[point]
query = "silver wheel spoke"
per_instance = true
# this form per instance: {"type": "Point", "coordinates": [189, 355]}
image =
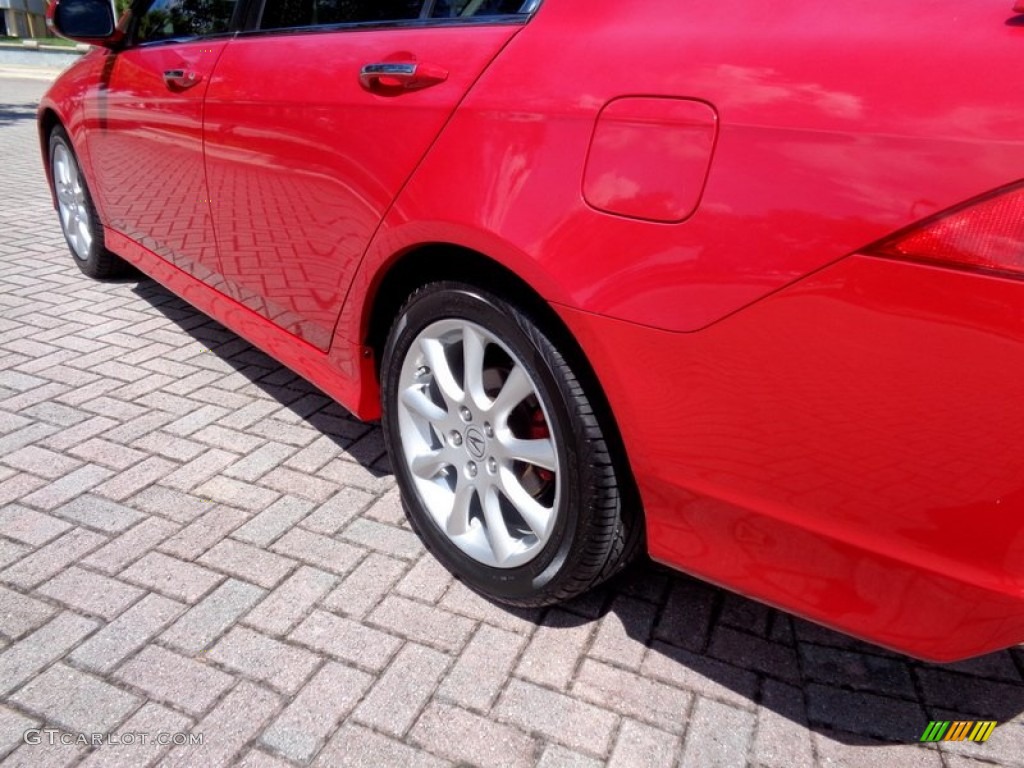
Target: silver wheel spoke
{"type": "Point", "coordinates": [433, 350]}
{"type": "Point", "coordinates": [416, 399]}
{"type": "Point", "coordinates": [517, 387]}
{"type": "Point", "coordinates": [473, 347]}
{"type": "Point", "coordinates": [429, 465]}
{"type": "Point", "coordinates": [539, 452]}
{"type": "Point", "coordinates": [458, 520]}
{"type": "Point", "coordinates": [497, 532]}
{"type": "Point", "coordinates": [84, 235]}
{"type": "Point", "coordinates": [61, 166]}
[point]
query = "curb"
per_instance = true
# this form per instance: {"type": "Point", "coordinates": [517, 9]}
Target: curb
{"type": "Point", "coordinates": [13, 72]}
{"type": "Point", "coordinates": [48, 62]}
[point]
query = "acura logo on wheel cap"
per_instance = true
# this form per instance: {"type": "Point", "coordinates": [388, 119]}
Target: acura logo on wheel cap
{"type": "Point", "coordinates": [475, 442]}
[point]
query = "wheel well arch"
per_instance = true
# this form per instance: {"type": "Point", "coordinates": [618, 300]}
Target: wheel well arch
{"type": "Point", "coordinates": [439, 261]}
{"type": "Point", "coordinates": [48, 120]}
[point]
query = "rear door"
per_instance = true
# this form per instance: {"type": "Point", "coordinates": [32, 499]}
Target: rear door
{"type": "Point", "coordinates": [314, 120]}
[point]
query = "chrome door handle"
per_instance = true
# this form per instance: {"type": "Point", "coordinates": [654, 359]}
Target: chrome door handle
{"type": "Point", "coordinates": [391, 76]}
{"type": "Point", "coordinates": [180, 78]}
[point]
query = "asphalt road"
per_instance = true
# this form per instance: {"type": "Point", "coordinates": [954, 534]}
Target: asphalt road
{"type": "Point", "coordinates": [198, 542]}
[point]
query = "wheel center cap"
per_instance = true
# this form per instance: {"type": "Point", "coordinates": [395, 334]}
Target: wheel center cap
{"type": "Point", "coordinates": [476, 443]}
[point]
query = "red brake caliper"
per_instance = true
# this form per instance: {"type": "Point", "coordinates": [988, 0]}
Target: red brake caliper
{"type": "Point", "coordinates": [538, 430]}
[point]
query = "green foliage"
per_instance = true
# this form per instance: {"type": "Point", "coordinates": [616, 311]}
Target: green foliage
{"type": "Point", "coordinates": [167, 19]}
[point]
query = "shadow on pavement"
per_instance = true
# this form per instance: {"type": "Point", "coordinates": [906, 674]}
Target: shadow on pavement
{"type": "Point", "coordinates": [276, 380]}
{"type": "Point", "coordinates": [12, 113]}
{"type": "Point", "coordinates": [695, 636]}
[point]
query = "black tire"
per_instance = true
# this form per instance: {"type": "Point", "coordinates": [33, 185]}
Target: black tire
{"type": "Point", "coordinates": [93, 259]}
{"type": "Point", "coordinates": [596, 531]}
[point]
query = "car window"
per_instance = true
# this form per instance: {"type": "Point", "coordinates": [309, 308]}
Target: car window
{"type": "Point", "coordinates": [281, 14]}
{"type": "Point", "coordinates": [284, 14]}
{"type": "Point", "coordinates": [176, 19]}
{"type": "Point", "coordinates": [451, 9]}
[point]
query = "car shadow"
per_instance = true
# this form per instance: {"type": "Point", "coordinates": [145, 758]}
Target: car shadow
{"type": "Point", "coordinates": [660, 625]}
{"type": "Point", "coordinates": [740, 651]}
{"type": "Point", "coordinates": [13, 113]}
{"type": "Point", "coordinates": [266, 374]}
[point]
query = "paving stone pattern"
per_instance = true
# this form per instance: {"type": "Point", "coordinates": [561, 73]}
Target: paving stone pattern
{"type": "Point", "coordinates": [200, 542]}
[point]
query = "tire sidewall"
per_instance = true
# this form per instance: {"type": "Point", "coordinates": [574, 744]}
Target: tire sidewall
{"type": "Point", "coordinates": [453, 301]}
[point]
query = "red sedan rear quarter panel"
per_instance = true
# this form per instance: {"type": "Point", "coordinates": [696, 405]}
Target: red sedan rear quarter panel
{"type": "Point", "coordinates": [844, 449]}
{"type": "Point", "coordinates": [838, 125]}
{"type": "Point", "coordinates": [849, 448]}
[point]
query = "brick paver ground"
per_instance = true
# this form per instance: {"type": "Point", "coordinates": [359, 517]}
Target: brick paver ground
{"type": "Point", "coordinates": [199, 542]}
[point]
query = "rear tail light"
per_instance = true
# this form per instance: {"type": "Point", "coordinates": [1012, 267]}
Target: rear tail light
{"type": "Point", "coordinates": [985, 234]}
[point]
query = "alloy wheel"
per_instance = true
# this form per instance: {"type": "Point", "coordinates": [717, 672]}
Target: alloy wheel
{"type": "Point", "coordinates": [71, 202]}
{"type": "Point", "coordinates": [476, 438]}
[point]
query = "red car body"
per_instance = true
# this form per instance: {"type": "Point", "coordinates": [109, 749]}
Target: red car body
{"type": "Point", "coordinates": [697, 190]}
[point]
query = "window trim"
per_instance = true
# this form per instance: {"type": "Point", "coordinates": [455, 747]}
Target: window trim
{"type": "Point", "coordinates": [247, 14]}
{"type": "Point", "coordinates": [253, 19]}
{"type": "Point", "coordinates": [359, 26]}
